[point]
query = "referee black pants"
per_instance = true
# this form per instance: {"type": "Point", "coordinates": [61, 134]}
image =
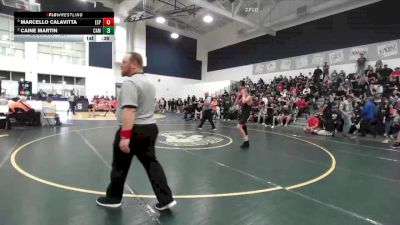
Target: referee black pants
{"type": "Point", "coordinates": [72, 106]}
{"type": "Point", "coordinates": [142, 146]}
{"type": "Point", "coordinates": [207, 115]}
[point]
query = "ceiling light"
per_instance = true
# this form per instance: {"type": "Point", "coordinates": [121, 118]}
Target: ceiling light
{"type": "Point", "coordinates": [174, 35]}
{"type": "Point", "coordinates": [208, 19]}
{"type": "Point", "coordinates": [117, 20]}
{"type": "Point", "coordinates": [43, 81]}
{"type": "Point", "coordinates": [160, 19]}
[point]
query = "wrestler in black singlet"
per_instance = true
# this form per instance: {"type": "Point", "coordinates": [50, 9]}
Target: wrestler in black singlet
{"type": "Point", "coordinates": [246, 108]}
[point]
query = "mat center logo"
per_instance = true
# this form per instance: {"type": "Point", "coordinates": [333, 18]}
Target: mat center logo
{"type": "Point", "coordinates": [189, 139]}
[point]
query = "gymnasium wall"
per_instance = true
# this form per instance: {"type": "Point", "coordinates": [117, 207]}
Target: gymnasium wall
{"type": "Point", "coordinates": [383, 50]}
{"type": "Point", "coordinates": [171, 57]}
{"type": "Point", "coordinates": [211, 87]}
{"type": "Point", "coordinates": [369, 24]}
{"type": "Point", "coordinates": [166, 86]}
{"type": "Point", "coordinates": [238, 73]}
{"type": "Point", "coordinates": [99, 81]}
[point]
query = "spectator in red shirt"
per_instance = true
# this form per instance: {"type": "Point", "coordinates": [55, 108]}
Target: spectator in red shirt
{"type": "Point", "coordinates": [301, 105]}
{"type": "Point", "coordinates": [280, 87]}
{"type": "Point", "coordinates": [396, 72]}
{"type": "Point", "coordinates": [312, 124]}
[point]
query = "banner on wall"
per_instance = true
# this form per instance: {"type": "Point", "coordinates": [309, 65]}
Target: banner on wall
{"type": "Point", "coordinates": [301, 62]}
{"type": "Point", "coordinates": [336, 57]}
{"type": "Point", "coordinates": [271, 66]}
{"type": "Point", "coordinates": [318, 59]}
{"type": "Point", "coordinates": [355, 52]}
{"type": "Point", "coordinates": [259, 68]}
{"type": "Point", "coordinates": [286, 64]}
{"type": "Point", "coordinates": [388, 49]}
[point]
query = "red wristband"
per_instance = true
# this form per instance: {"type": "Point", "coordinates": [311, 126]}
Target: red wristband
{"type": "Point", "coordinates": [125, 134]}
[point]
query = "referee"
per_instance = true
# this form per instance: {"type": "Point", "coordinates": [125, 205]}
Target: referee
{"type": "Point", "coordinates": [136, 136]}
{"type": "Point", "coordinates": [207, 112]}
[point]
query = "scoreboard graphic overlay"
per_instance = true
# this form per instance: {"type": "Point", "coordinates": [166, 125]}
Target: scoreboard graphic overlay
{"type": "Point", "coordinates": [64, 26]}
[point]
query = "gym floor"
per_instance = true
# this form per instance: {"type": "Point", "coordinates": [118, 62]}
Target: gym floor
{"type": "Point", "coordinates": [53, 175]}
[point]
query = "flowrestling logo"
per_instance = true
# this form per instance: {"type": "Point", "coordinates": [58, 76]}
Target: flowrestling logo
{"type": "Point", "coordinates": [191, 139]}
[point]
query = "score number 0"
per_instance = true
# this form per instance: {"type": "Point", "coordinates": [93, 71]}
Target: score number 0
{"type": "Point", "coordinates": [108, 21]}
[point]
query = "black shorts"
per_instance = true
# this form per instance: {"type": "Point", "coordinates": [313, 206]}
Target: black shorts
{"type": "Point", "coordinates": [244, 117]}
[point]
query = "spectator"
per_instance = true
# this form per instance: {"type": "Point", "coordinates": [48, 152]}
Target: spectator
{"type": "Point", "coordinates": [163, 105]}
{"type": "Point", "coordinates": [334, 76]}
{"type": "Point", "coordinates": [198, 114]}
{"type": "Point", "coordinates": [301, 106]}
{"type": "Point", "coordinates": [284, 99]}
{"type": "Point", "coordinates": [368, 118]}
{"type": "Point", "coordinates": [346, 108]}
{"type": "Point", "coordinates": [49, 104]}
{"type": "Point", "coordinates": [326, 71]}
{"type": "Point", "coordinates": [389, 117]}
{"type": "Point", "coordinates": [262, 113]}
{"type": "Point", "coordinates": [179, 105]}
{"type": "Point", "coordinates": [378, 64]}
{"type": "Point", "coordinates": [317, 75]}
{"type": "Point", "coordinates": [226, 105]}
{"type": "Point", "coordinates": [313, 124]}
{"type": "Point", "coordinates": [356, 120]}
{"type": "Point", "coordinates": [361, 64]}
{"type": "Point", "coordinates": [385, 73]}
{"type": "Point", "coordinates": [271, 113]}
{"type": "Point", "coordinates": [285, 116]}
{"type": "Point", "coordinates": [23, 112]}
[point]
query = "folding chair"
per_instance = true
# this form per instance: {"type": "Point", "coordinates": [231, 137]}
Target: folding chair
{"type": "Point", "coordinates": [4, 116]}
{"type": "Point", "coordinates": [49, 114]}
